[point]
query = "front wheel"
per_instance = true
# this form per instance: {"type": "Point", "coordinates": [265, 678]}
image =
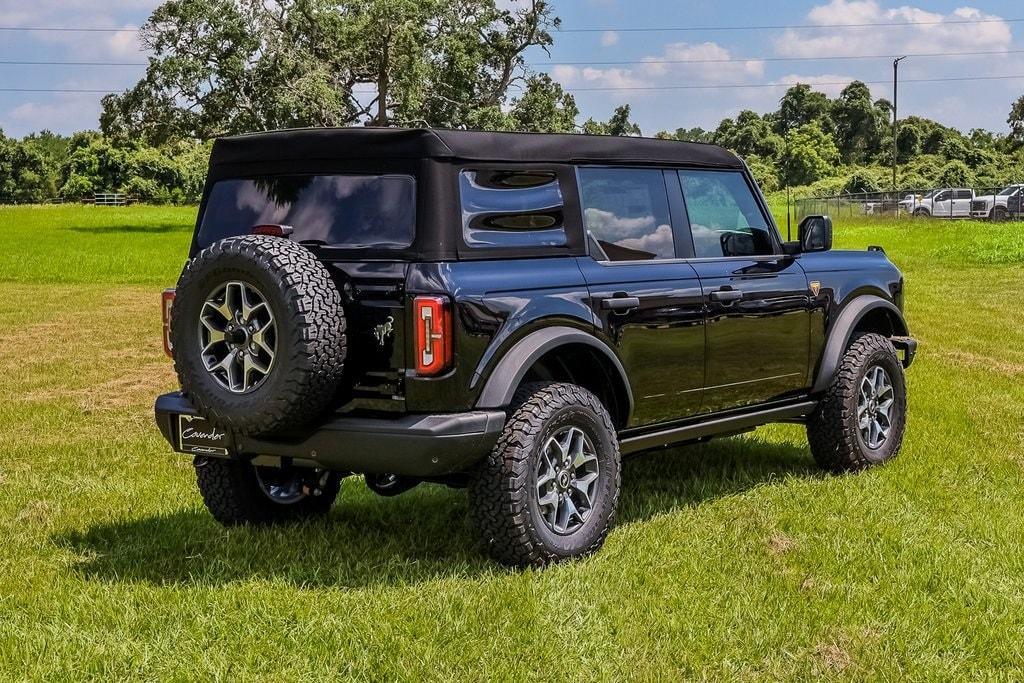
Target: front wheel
{"type": "Point", "coordinates": [861, 418]}
{"type": "Point", "coordinates": [549, 488]}
{"type": "Point", "coordinates": [238, 492]}
{"type": "Point", "coordinates": [999, 214]}
{"type": "Point", "coordinates": [922, 213]}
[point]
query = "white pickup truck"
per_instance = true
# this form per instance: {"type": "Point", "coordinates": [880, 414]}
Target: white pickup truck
{"type": "Point", "coordinates": [947, 202]}
{"type": "Point", "coordinates": [1000, 206]}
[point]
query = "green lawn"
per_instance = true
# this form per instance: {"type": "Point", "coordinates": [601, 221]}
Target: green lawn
{"type": "Point", "coordinates": [730, 560]}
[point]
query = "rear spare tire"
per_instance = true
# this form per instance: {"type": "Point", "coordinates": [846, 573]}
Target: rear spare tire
{"type": "Point", "coordinates": [258, 332]}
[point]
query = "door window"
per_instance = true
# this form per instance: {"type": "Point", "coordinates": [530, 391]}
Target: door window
{"type": "Point", "coordinates": [626, 213]}
{"type": "Point", "coordinates": [724, 217]}
{"type": "Point", "coordinates": [963, 194]}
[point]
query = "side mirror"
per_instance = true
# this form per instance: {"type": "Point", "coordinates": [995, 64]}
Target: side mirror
{"type": "Point", "coordinates": [815, 234]}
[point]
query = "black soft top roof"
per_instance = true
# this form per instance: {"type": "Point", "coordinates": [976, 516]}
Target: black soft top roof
{"type": "Point", "coordinates": [470, 145]}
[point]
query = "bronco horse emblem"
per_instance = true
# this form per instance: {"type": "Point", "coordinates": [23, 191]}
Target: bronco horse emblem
{"type": "Point", "coordinates": [383, 331]}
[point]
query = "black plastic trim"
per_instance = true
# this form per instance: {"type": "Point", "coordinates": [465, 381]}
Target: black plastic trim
{"type": "Point", "coordinates": [842, 330]}
{"type": "Point", "coordinates": [410, 445]}
{"type": "Point", "coordinates": [712, 425]}
{"type": "Point", "coordinates": [504, 380]}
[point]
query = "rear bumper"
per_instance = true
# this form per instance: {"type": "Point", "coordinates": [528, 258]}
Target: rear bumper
{"type": "Point", "coordinates": [411, 445]}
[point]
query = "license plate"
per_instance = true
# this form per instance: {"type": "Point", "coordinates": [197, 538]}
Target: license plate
{"type": "Point", "coordinates": [197, 435]}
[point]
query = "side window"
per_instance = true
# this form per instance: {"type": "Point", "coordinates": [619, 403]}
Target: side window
{"type": "Point", "coordinates": [724, 217]}
{"type": "Point", "coordinates": [963, 194]}
{"type": "Point", "coordinates": [625, 210]}
{"type": "Point", "coordinates": [942, 196]}
{"type": "Point", "coordinates": [512, 208]}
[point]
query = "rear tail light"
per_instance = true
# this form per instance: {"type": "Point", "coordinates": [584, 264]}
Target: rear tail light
{"type": "Point", "coordinates": [167, 300]}
{"type": "Point", "coordinates": [433, 324]}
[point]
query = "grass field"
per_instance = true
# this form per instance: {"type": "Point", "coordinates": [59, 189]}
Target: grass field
{"type": "Point", "coordinates": [731, 560]}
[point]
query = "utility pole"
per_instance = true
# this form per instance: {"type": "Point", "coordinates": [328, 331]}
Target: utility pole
{"type": "Point", "coordinates": [895, 126]}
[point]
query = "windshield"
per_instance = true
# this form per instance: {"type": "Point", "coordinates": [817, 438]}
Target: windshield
{"type": "Point", "coordinates": [1010, 190]}
{"type": "Point", "coordinates": [346, 211]}
{"type": "Point", "coordinates": [932, 193]}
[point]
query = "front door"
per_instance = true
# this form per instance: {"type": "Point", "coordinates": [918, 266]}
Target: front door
{"type": "Point", "coordinates": [647, 302]}
{"type": "Point", "coordinates": [942, 205]}
{"type": "Point", "coordinates": [757, 300]}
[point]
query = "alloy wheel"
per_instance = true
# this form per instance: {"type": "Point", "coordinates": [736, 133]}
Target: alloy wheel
{"type": "Point", "coordinates": [567, 477]}
{"type": "Point", "coordinates": [238, 337]}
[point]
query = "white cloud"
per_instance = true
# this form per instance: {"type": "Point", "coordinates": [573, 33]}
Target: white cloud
{"type": "Point", "coordinates": [937, 35]}
{"type": "Point", "coordinates": [609, 38]}
{"type": "Point", "coordinates": [678, 63]}
{"type": "Point", "coordinates": [830, 84]}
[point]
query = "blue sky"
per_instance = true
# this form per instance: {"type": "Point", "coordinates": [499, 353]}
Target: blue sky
{"type": "Point", "coordinates": [665, 58]}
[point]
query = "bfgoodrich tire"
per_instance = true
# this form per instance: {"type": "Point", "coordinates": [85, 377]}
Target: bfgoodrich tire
{"type": "Point", "coordinates": [258, 332]}
{"type": "Point", "coordinates": [549, 488]}
{"type": "Point", "coordinates": [238, 493]}
{"type": "Point", "coordinates": [861, 419]}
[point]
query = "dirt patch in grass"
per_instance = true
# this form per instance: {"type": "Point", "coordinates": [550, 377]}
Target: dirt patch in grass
{"type": "Point", "coordinates": [980, 361]}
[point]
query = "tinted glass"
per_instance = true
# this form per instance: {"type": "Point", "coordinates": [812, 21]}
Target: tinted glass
{"type": "Point", "coordinates": [942, 196]}
{"type": "Point", "coordinates": [724, 217]}
{"type": "Point", "coordinates": [511, 208]}
{"type": "Point", "coordinates": [963, 194]}
{"type": "Point", "coordinates": [626, 211]}
{"type": "Point", "coordinates": [349, 211]}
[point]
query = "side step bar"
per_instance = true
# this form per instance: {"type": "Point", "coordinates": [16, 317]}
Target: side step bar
{"type": "Point", "coordinates": [713, 426]}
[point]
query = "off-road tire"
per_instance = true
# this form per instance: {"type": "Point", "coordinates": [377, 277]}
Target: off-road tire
{"type": "Point", "coordinates": [832, 430]}
{"type": "Point", "coordinates": [311, 342]}
{"type": "Point", "coordinates": [502, 488]}
{"type": "Point", "coordinates": [233, 495]}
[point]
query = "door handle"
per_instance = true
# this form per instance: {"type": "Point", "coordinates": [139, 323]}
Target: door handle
{"type": "Point", "coordinates": [726, 296]}
{"type": "Point", "coordinates": [620, 304]}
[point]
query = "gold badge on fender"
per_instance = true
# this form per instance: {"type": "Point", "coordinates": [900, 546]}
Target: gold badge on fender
{"type": "Point", "coordinates": [815, 287]}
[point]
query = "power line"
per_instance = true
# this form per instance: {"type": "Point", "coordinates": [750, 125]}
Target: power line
{"type": "Point", "coordinates": [788, 85]}
{"type": "Point", "coordinates": [16, 62]}
{"type": "Point", "coordinates": [729, 86]}
{"type": "Point", "coordinates": [774, 27]}
{"type": "Point", "coordinates": [778, 59]}
{"type": "Point", "coordinates": [12, 62]}
{"type": "Point", "coordinates": [617, 29]}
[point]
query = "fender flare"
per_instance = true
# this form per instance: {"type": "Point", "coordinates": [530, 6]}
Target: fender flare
{"type": "Point", "coordinates": [500, 387]}
{"type": "Point", "coordinates": [842, 330]}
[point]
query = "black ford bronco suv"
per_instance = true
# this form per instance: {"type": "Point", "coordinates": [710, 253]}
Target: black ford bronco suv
{"type": "Point", "coordinates": [511, 313]}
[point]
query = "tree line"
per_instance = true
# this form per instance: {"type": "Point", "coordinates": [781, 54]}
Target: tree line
{"type": "Point", "coordinates": [220, 67]}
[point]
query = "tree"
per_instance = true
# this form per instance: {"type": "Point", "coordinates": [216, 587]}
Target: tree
{"type": "Point", "coordinates": [955, 174]}
{"type": "Point", "coordinates": [858, 123]}
{"type": "Point", "coordinates": [750, 134]}
{"type": "Point", "coordinates": [696, 134]}
{"type": "Point", "coordinates": [544, 107]}
{"type": "Point", "coordinates": [801, 105]}
{"type": "Point", "coordinates": [809, 155]}
{"type": "Point", "coordinates": [228, 66]}
{"type": "Point", "coordinates": [908, 142]}
{"type": "Point", "coordinates": [1016, 121]}
{"type": "Point", "coordinates": [618, 124]}
{"type": "Point", "coordinates": [23, 172]}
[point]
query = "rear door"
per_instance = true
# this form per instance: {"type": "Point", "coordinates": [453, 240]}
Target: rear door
{"type": "Point", "coordinates": [962, 203]}
{"type": "Point", "coordinates": [646, 298]}
{"type": "Point", "coordinates": [756, 299]}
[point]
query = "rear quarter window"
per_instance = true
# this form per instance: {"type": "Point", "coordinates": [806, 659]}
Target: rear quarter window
{"type": "Point", "coordinates": [344, 211]}
{"type": "Point", "coordinates": [512, 208]}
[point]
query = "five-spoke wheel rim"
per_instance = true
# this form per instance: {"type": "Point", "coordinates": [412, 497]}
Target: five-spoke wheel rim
{"type": "Point", "coordinates": [567, 477]}
{"type": "Point", "coordinates": [874, 407]}
{"type": "Point", "coordinates": [237, 336]}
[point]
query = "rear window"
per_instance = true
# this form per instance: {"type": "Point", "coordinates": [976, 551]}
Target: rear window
{"type": "Point", "coordinates": [345, 211]}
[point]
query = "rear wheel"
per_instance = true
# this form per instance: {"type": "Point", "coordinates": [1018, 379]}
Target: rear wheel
{"type": "Point", "coordinates": [238, 492]}
{"type": "Point", "coordinates": [549, 489]}
{"type": "Point", "coordinates": [861, 418]}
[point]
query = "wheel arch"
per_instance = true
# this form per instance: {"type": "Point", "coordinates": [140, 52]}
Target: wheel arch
{"type": "Point", "coordinates": [865, 313]}
{"type": "Point", "coordinates": [562, 354]}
